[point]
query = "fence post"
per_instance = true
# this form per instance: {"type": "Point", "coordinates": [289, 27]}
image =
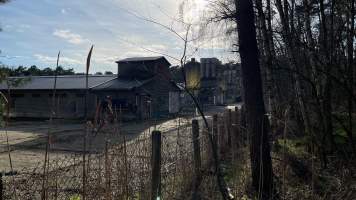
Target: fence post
{"type": "Point", "coordinates": [215, 129]}
{"type": "Point", "coordinates": [1, 187]}
{"type": "Point", "coordinates": [237, 118]}
{"type": "Point", "coordinates": [242, 121]}
{"type": "Point", "coordinates": [214, 133]}
{"type": "Point", "coordinates": [84, 180]}
{"type": "Point", "coordinates": [235, 142]}
{"type": "Point", "coordinates": [107, 172]}
{"type": "Point", "coordinates": [197, 159]}
{"type": "Point", "coordinates": [229, 128]}
{"type": "Point", "coordinates": [156, 165]}
{"type": "Point", "coordinates": [222, 136]}
{"type": "Point", "coordinates": [238, 127]}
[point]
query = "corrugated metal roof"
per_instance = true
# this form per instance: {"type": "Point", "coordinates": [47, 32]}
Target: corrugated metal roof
{"type": "Point", "coordinates": [69, 82]}
{"type": "Point", "coordinates": [121, 84]}
{"type": "Point", "coordinates": [137, 59]}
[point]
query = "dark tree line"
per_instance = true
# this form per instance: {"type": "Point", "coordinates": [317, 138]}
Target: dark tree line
{"type": "Point", "coordinates": [305, 56]}
{"type": "Point", "coordinates": [35, 71]}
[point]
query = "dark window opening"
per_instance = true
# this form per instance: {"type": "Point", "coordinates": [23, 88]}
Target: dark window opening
{"type": "Point", "coordinates": [58, 95]}
{"type": "Point", "coordinates": [17, 95]}
{"type": "Point", "coordinates": [12, 103]}
{"type": "Point", "coordinates": [117, 103]}
{"type": "Point", "coordinates": [73, 107]}
{"type": "Point", "coordinates": [36, 95]}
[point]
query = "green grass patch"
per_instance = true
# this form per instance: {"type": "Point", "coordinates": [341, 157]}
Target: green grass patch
{"type": "Point", "coordinates": [295, 146]}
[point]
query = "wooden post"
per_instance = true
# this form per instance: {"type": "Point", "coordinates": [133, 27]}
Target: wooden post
{"type": "Point", "coordinates": [197, 159]}
{"type": "Point", "coordinates": [126, 169]}
{"type": "Point", "coordinates": [84, 179]}
{"type": "Point", "coordinates": [242, 122]}
{"type": "Point", "coordinates": [235, 142]}
{"type": "Point", "coordinates": [215, 137]}
{"type": "Point", "coordinates": [215, 129]}
{"type": "Point", "coordinates": [107, 172]}
{"type": "Point", "coordinates": [238, 127]}
{"type": "Point", "coordinates": [1, 187]}
{"type": "Point", "coordinates": [222, 136]}
{"type": "Point", "coordinates": [156, 165]}
{"type": "Point", "coordinates": [229, 128]}
{"type": "Point", "coordinates": [56, 187]}
{"type": "Point", "coordinates": [237, 117]}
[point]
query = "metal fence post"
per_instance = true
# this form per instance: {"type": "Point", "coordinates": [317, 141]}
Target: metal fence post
{"type": "Point", "coordinates": [156, 165]}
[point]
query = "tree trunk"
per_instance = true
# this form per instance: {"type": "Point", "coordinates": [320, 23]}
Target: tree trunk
{"type": "Point", "coordinates": [350, 58]}
{"type": "Point", "coordinates": [268, 52]}
{"type": "Point", "coordinates": [257, 122]}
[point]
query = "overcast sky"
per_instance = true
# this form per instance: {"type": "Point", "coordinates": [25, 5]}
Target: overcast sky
{"type": "Point", "coordinates": [35, 30]}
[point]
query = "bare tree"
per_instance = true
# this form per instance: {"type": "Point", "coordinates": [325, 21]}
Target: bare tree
{"type": "Point", "coordinates": [187, 39]}
{"type": "Point", "coordinates": [2, 2]}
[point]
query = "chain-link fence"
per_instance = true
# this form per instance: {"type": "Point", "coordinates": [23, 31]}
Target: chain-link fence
{"type": "Point", "coordinates": [124, 170]}
{"type": "Point", "coordinates": [121, 171]}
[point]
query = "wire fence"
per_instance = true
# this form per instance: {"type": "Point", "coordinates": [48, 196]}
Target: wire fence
{"type": "Point", "coordinates": [124, 170]}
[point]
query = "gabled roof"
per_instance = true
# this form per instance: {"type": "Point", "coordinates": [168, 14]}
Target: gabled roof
{"type": "Point", "coordinates": [121, 84]}
{"type": "Point", "coordinates": [68, 82]}
{"type": "Point", "coordinates": [142, 59]}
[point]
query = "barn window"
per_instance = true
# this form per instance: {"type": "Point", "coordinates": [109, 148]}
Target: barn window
{"type": "Point", "coordinates": [12, 103]}
{"type": "Point", "coordinates": [79, 95]}
{"type": "Point", "coordinates": [17, 95]}
{"type": "Point", "coordinates": [73, 106]}
{"type": "Point", "coordinates": [58, 95]}
{"type": "Point", "coordinates": [36, 95]}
